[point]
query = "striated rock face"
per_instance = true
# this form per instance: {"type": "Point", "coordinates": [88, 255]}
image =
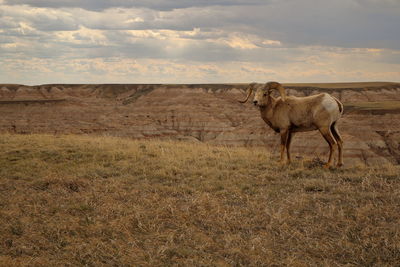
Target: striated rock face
{"type": "Point", "coordinates": [206, 113]}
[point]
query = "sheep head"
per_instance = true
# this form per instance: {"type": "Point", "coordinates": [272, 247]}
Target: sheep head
{"type": "Point", "coordinates": [262, 94]}
{"type": "Point", "coordinates": [270, 86]}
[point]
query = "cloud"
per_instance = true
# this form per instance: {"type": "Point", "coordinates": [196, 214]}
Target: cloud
{"type": "Point", "coordinates": [199, 41]}
{"type": "Point", "coordinates": [120, 70]}
{"type": "Point", "coordinates": [342, 23]}
{"type": "Point", "coordinates": [39, 19]}
{"type": "Point", "coordinates": [150, 4]}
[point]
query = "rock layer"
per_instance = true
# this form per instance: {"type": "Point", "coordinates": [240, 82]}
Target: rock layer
{"type": "Point", "coordinates": [207, 113]}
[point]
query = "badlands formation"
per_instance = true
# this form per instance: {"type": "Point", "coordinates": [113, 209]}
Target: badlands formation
{"type": "Point", "coordinates": [208, 113]}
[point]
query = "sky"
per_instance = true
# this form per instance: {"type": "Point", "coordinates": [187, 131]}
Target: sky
{"type": "Point", "coordinates": [199, 41]}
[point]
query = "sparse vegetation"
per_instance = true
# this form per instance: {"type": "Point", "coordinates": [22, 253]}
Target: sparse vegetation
{"type": "Point", "coordinates": [143, 91]}
{"type": "Point", "coordinates": [343, 85]}
{"type": "Point", "coordinates": [377, 105]}
{"type": "Point", "coordinates": [93, 201]}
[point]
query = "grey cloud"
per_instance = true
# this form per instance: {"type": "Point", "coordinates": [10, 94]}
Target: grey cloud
{"type": "Point", "coordinates": [388, 56]}
{"type": "Point", "coordinates": [47, 23]}
{"type": "Point", "coordinates": [295, 23]}
{"type": "Point", "coordinates": [6, 39]}
{"type": "Point", "coordinates": [41, 20]}
{"type": "Point", "coordinates": [341, 23]}
{"type": "Point", "coordinates": [188, 19]}
{"type": "Point", "coordinates": [152, 4]}
{"type": "Point", "coordinates": [17, 32]}
{"type": "Point", "coordinates": [6, 23]}
{"type": "Point", "coordinates": [145, 19]}
{"type": "Point", "coordinates": [193, 50]}
{"type": "Point", "coordinates": [123, 45]}
{"type": "Point", "coordinates": [28, 52]}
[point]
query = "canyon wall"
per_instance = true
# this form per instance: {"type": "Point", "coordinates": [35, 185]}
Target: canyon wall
{"type": "Point", "coordinates": [207, 113]}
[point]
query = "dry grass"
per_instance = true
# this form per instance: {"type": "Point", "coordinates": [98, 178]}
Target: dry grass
{"type": "Point", "coordinates": [91, 201]}
{"type": "Point", "coordinates": [342, 85]}
{"type": "Point", "coordinates": [377, 105]}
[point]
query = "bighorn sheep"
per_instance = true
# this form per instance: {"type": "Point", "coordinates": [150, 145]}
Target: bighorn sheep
{"type": "Point", "coordinates": [289, 114]}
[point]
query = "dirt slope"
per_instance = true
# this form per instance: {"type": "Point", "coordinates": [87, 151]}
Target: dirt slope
{"type": "Point", "coordinates": [203, 112]}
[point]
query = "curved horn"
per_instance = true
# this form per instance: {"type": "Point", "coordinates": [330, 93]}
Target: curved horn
{"type": "Point", "coordinates": [277, 86]}
{"type": "Point", "coordinates": [282, 92]}
{"type": "Point", "coordinates": [250, 90]}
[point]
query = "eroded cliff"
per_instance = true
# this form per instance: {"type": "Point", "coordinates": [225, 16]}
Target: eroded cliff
{"type": "Point", "coordinates": [204, 112]}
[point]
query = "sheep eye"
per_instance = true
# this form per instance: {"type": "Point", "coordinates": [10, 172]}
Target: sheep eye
{"type": "Point", "coordinates": [265, 94]}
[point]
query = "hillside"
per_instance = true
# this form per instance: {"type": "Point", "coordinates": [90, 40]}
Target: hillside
{"type": "Point", "coordinates": [206, 113]}
{"type": "Point", "coordinates": [95, 201]}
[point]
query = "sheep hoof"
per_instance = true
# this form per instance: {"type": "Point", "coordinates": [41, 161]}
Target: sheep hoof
{"type": "Point", "coordinates": [339, 165]}
{"type": "Point", "coordinates": [284, 163]}
{"type": "Point", "coordinates": [327, 166]}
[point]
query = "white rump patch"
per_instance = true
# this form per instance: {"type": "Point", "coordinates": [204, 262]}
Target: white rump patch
{"type": "Point", "coordinates": [329, 103]}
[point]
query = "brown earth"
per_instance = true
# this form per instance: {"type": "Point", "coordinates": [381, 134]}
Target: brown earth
{"type": "Point", "coordinates": [208, 113]}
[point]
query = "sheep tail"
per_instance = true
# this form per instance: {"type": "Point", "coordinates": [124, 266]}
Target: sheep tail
{"type": "Point", "coordinates": [340, 105]}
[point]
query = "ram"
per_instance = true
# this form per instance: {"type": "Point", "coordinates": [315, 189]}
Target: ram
{"type": "Point", "coordinates": [290, 114]}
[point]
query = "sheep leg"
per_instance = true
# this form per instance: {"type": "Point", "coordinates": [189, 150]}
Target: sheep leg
{"type": "Point", "coordinates": [284, 140]}
{"type": "Point", "coordinates": [288, 142]}
{"type": "Point", "coordinates": [339, 141]}
{"type": "Point", "coordinates": [326, 133]}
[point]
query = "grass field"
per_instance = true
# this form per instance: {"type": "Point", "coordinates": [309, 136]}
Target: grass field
{"type": "Point", "coordinates": [101, 201]}
{"type": "Point", "coordinates": [377, 105]}
{"type": "Point", "coordinates": [342, 85]}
